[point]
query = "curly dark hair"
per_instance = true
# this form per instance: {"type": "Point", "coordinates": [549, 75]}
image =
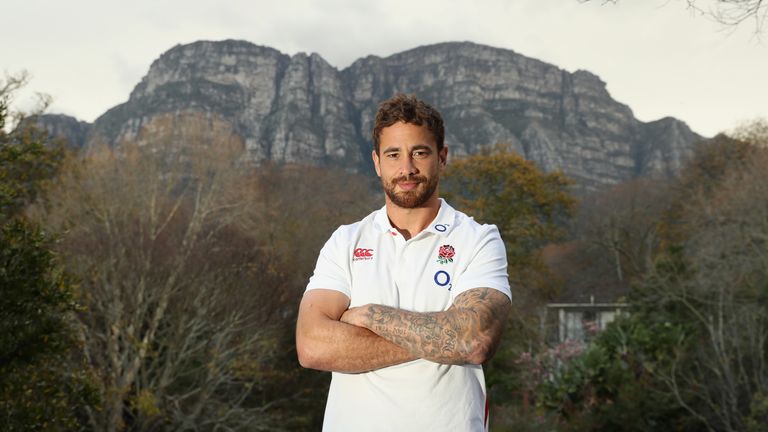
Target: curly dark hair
{"type": "Point", "coordinates": [408, 109]}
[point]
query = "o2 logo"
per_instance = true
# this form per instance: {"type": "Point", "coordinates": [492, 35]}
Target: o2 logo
{"type": "Point", "coordinates": [443, 279]}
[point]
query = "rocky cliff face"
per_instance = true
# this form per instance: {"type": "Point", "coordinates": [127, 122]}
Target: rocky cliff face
{"type": "Point", "coordinates": [64, 126]}
{"type": "Point", "coordinates": [286, 109]}
{"type": "Point", "coordinates": [300, 109]}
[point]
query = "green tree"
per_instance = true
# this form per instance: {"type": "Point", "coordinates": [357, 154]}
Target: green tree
{"type": "Point", "coordinates": [612, 386]}
{"type": "Point", "coordinates": [28, 158]}
{"type": "Point", "coordinates": [42, 387]}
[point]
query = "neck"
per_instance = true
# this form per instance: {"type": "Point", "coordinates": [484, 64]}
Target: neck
{"type": "Point", "coordinates": [411, 221]}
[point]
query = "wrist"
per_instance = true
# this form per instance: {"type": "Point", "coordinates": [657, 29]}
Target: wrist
{"type": "Point", "coordinates": [356, 316]}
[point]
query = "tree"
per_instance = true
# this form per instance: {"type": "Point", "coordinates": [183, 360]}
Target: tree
{"type": "Point", "coordinates": [28, 158]}
{"type": "Point", "coordinates": [150, 227]}
{"type": "Point", "coordinates": [300, 206]}
{"type": "Point", "coordinates": [528, 206]}
{"type": "Point", "coordinates": [191, 267]}
{"type": "Point", "coordinates": [729, 12]}
{"type": "Point", "coordinates": [530, 209]}
{"type": "Point", "coordinates": [622, 226]}
{"type": "Point", "coordinates": [611, 384]}
{"type": "Point", "coordinates": [735, 12]}
{"type": "Point", "coordinates": [712, 162]}
{"type": "Point", "coordinates": [719, 375]}
{"type": "Point", "coordinates": [695, 340]}
{"type": "Point", "coordinates": [42, 384]}
{"type": "Point", "coordinates": [754, 132]}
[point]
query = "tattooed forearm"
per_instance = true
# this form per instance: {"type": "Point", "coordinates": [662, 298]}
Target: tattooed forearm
{"type": "Point", "coordinates": [468, 332]}
{"type": "Point", "coordinates": [431, 335]}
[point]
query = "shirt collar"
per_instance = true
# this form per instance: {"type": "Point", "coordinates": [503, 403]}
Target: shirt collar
{"type": "Point", "coordinates": [442, 225]}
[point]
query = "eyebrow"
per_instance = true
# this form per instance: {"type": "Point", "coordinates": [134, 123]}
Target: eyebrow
{"type": "Point", "coordinates": [421, 147]}
{"type": "Point", "coordinates": [416, 147]}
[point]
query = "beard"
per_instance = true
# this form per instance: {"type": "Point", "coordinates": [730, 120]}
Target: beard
{"type": "Point", "coordinates": [412, 198]}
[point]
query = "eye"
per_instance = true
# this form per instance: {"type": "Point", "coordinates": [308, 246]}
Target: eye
{"type": "Point", "coordinates": [391, 155]}
{"type": "Point", "coordinates": [420, 154]}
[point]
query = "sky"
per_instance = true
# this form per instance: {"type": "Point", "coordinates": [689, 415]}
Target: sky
{"type": "Point", "coordinates": [659, 57]}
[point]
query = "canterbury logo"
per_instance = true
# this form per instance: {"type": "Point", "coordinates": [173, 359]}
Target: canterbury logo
{"type": "Point", "coordinates": [362, 254]}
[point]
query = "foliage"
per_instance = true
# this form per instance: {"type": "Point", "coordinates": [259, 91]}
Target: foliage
{"type": "Point", "coordinates": [611, 385]}
{"type": "Point", "coordinates": [501, 187]}
{"type": "Point", "coordinates": [692, 354]}
{"type": "Point", "coordinates": [712, 162]}
{"type": "Point", "coordinates": [51, 395]}
{"type": "Point", "coordinates": [620, 230]}
{"type": "Point", "coordinates": [614, 384]}
{"type": "Point", "coordinates": [725, 296]}
{"type": "Point", "coordinates": [27, 160]}
{"type": "Point", "coordinates": [299, 206]}
{"type": "Point", "coordinates": [37, 297]}
{"type": "Point", "coordinates": [754, 132]}
{"type": "Point", "coordinates": [606, 385]}
{"type": "Point", "coordinates": [190, 264]}
{"type": "Point", "coordinates": [529, 207]}
{"type": "Point", "coordinates": [42, 384]}
{"type": "Point", "coordinates": [149, 228]}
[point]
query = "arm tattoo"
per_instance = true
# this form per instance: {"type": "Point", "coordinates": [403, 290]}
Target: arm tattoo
{"type": "Point", "coordinates": [473, 323]}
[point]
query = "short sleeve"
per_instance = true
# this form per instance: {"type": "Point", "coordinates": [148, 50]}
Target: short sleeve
{"type": "Point", "coordinates": [332, 269]}
{"type": "Point", "coordinates": [488, 266]}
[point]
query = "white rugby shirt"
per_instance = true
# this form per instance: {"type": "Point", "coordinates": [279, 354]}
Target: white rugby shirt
{"type": "Point", "coordinates": [371, 262]}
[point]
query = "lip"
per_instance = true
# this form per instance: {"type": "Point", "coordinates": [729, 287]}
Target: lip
{"type": "Point", "coordinates": [406, 186]}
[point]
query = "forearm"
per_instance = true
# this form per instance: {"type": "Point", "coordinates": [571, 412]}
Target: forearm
{"type": "Point", "coordinates": [339, 347]}
{"type": "Point", "coordinates": [468, 332]}
{"type": "Point", "coordinates": [441, 337]}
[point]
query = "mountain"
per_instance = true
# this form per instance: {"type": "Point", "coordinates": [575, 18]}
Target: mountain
{"type": "Point", "coordinates": [300, 109]}
{"type": "Point", "coordinates": [60, 125]}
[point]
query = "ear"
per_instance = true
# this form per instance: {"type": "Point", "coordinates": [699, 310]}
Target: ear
{"type": "Point", "coordinates": [376, 162]}
{"type": "Point", "coordinates": [443, 156]}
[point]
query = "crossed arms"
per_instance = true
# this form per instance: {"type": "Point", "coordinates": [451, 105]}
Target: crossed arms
{"type": "Point", "coordinates": [331, 337]}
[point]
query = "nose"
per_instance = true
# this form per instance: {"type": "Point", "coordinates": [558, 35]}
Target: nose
{"type": "Point", "coordinates": [408, 168]}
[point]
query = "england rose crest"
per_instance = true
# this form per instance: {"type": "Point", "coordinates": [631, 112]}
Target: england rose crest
{"type": "Point", "coordinates": [445, 254]}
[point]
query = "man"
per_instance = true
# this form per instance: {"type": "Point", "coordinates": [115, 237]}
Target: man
{"type": "Point", "coordinates": [405, 305]}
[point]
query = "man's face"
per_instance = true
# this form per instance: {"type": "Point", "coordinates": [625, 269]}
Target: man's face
{"type": "Point", "coordinates": [409, 164]}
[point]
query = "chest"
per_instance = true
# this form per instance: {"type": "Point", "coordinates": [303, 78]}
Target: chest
{"type": "Point", "coordinates": [415, 275]}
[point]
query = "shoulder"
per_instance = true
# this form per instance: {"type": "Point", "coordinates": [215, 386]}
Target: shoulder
{"type": "Point", "coordinates": [481, 241]}
{"type": "Point", "coordinates": [471, 230]}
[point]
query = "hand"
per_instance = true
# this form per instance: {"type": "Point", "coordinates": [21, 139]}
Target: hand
{"type": "Point", "coordinates": [354, 316]}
